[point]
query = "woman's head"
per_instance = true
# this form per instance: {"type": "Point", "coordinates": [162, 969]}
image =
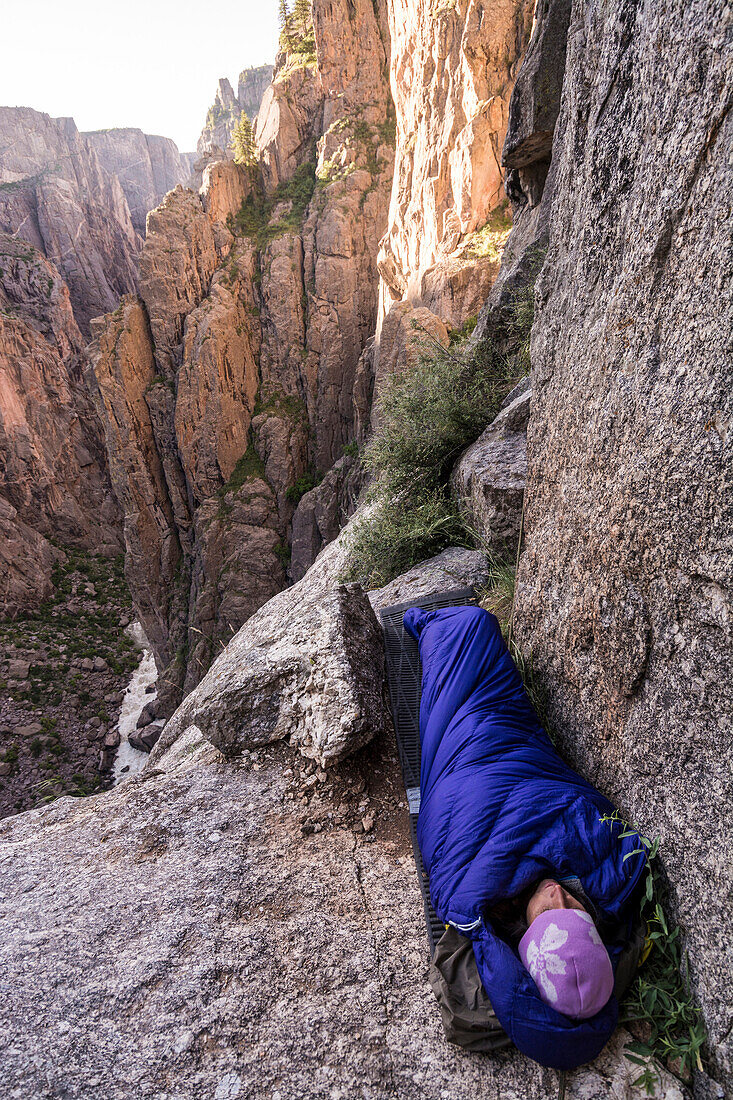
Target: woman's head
{"type": "Point", "coordinates": [564, 953]}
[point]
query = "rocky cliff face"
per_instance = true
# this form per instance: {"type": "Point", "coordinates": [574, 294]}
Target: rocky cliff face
{"type": "Point", "coordinates": [624, 587]}
{"type": "Point", "coordinates": [452, 71]}
{"type": "Point", "coordinates": [55, 194]}
{"type": "Point", "coordinates": [236, 377]}
{"type": "Point", "coordinates": [147, 166]}
{"type": "Point", "coordinates": [52, 463]}
{"type": "Point", "coordinates": [72, 207]}
{"type": "Point", "coordinates": [224, 113]}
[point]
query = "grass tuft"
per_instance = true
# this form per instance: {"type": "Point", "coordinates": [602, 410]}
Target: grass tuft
{"type": "Point", "coordinates": [249, 466]}
{"type": "Point", "coordinates": [401, 531]}
{"type": "Point", "coordinates": [659, 1004]}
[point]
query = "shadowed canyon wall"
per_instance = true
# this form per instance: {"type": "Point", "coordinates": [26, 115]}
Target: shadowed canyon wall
{"type": "Point", "coordinates": [72, 208]}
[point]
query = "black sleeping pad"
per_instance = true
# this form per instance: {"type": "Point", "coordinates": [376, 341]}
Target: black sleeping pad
{"type": "Point", "coordinates": [405, 680]}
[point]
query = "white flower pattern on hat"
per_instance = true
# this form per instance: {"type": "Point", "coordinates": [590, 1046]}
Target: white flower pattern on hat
{"type": "Point", "coordinates": [592, 931]}
{"type": "Point", "coordinates": [541, 962]}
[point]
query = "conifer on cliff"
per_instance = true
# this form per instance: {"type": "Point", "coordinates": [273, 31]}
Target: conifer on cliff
{"type": "Point", "coordinates": [243, 142]}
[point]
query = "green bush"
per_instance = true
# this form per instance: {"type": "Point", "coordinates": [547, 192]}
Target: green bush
{"type": "Point", "coordinates": [250, 465]}
{"type": "Point", "coordinates": [283, 553]}
{"type": "Point", "coordinates": [278, 403]}
{"type": "Point", "coordinates": [426, 416]}
{"type": "Point", "coordinates": [303, 485]}
{"type": "Point", "coordinates": [429, 413]}
{"type": "Point", "coordinates": [401, 531]}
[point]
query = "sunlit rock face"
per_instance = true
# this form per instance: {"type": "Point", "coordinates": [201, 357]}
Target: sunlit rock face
{"type": "Point", "coordinates": [242, 361]}
{"type": "Point", "coordinates": [624, 587]}
{"type": "Point", "coordinates": [452, 70]}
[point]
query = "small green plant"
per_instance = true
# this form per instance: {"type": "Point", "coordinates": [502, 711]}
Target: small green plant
{"type": "Point", "coordinates": [253, 218]}
{"type": "Point", "coordinates": [488, 241]}
{"type": "Point", "coordinates": [659, 1002]}
{"type": "Point", "coordinates": [460, 335]}
{"type": "Point", "coordinates": [351, 449]}
{"type": "Point", "coordinates": [283, 553]}
{"type": "Point", "coordinates": [50, 788]}
{"type": "Point", "coordinates": [387, 130]}
{"type": "Point", "coordinates": [249, 466]}
{"type": "Point", "coordinates": [278, 403]}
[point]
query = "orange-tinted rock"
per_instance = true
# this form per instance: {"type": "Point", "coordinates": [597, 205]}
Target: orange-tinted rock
{"type": "Point", "coordinates": [452, 73]}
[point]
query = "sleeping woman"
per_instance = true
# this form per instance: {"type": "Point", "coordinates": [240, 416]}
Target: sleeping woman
{"type": "Point", "coordinates": [513, 841]}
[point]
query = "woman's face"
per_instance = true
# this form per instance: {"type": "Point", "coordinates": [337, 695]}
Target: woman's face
{"type": "Point", "coordinates": [550, 895]}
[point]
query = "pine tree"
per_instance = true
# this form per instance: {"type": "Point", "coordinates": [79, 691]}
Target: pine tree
{"type": "Point", "coordinates": [243, 142]}
{"type": "Point", "coordinates": [302, 17]}
{"type": "Point", "coordinates": [284, 17]}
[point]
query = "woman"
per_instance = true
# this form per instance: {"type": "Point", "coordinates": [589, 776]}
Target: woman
{"type": "Point", "coordinates": [518, 848]}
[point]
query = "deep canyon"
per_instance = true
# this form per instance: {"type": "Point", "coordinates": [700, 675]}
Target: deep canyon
{"type": "Point", "coordinates": [192, 357]}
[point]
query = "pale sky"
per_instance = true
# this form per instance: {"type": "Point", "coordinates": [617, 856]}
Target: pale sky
{"type": "Point", "coordinates": [148, 63]}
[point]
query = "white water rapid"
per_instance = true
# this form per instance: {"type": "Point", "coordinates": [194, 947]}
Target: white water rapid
{"type": "Point", "coordinates": [128, 760]}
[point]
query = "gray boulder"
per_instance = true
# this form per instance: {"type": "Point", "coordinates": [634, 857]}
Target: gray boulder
{"type": "Point", "coordinates": [322, 512]}
{"type": "Point", "coordinates": [489, 478]}
{"type": "Point", "coordinates": [307, 667]}
{"type": "Point", "coordinates": [455, 567]}
{"type": "Point", "coordinates": [146, 737]}
{"type": "Point", "coordinates": [535, 100]}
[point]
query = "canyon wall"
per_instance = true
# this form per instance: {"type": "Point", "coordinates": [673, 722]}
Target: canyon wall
{"type": "Point", "coordinates": [260, 297]}
{"type": "Point", "coordinates": [147, 166]}
{"type": "Point", "coordinates": [55, 194]}
{"type": "Point", "coordinates": [72, 211]}
{"type": "Point", "coordinates": [228, 106]}
{"type": "Point", "coordinates": [624, 586]}
{"type": "Point", "coordinates": [53, 482]}
{"type": "Point", "coordinates": [452, 70]}
{"type": "Point", "coordinates": [234, 381]}
{"type": "Point", "coordinates": [214, 141]}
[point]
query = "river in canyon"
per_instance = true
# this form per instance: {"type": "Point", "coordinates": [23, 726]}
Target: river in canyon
{"type": "Point", "coordinates": [129, 761]}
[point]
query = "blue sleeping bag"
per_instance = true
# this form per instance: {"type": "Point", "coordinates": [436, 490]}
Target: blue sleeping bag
{"type": "Point", "coordinates": [500, 809]}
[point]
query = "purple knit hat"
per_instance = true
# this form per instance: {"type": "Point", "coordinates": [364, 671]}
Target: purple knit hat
{"type": "Point", "coordinates": [570, 966]}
